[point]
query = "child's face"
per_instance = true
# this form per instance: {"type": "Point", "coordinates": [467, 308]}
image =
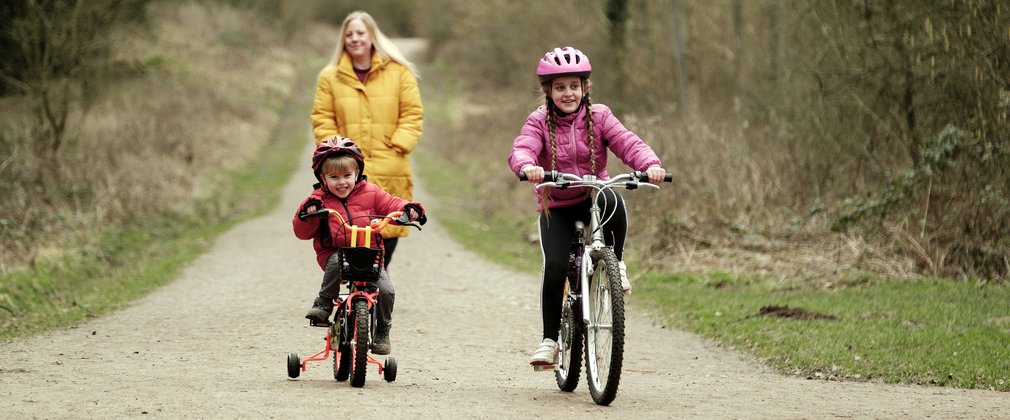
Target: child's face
{"type": "Point", "coordinates": [340, 182]}
{"type": "Point", "coordinates": [566, 92]}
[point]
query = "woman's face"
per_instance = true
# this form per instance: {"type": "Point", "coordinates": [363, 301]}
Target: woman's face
{"type": "Point", "coordinates": [567, 92]}
{"type": "Point", "coordinates": [357, 40]}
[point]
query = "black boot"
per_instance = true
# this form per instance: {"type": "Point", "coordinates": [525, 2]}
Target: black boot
{"type": "Point", "coordinates": [321, 310]}
{"type": "Point", "coordinates": [381, 344]}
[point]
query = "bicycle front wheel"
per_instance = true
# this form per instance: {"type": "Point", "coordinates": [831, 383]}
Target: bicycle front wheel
{"type": "Point", "coordinates": [360, 345]}
{"type": "Point", "coordinates": [605, 332]}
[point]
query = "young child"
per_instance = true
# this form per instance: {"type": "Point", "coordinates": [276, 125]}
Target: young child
{"type": "Point", "coordinates": [338, 164]}
{"type": "Point", "coordinates": [571, 135]}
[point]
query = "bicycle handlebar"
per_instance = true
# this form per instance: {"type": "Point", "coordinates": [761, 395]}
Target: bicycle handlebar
{"type": "Point", "coordinates": [630, 180]}
{"type": "Point", "coordinates": [376, 224]}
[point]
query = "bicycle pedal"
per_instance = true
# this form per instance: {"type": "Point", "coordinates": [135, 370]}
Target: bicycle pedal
{"type": "Point", "coordinates": [538, 368]}
{"type": "Point", "coordinates": [313, 323]}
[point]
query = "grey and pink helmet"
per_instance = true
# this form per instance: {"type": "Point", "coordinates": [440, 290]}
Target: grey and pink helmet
{"type": "Point", "coordinates": [333, 146]}
{"type": "Point", "coordinates": [566, 61]}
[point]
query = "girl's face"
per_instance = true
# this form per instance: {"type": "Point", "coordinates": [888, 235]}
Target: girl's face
{"type": "Point", "coordinates": [357, 40]}
{"type": "Point", "coordinates": [566, 92]}
{"type": "Point", "coordinates": [340, 182]}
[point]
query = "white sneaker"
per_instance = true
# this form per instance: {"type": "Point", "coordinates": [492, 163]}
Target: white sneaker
{"type": "Point", "coordinates": [625, 283]}
{"type": "Point", "coordinates": [546, 354]}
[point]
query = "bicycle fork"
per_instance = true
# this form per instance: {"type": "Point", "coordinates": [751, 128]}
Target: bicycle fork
{"type": "Point", "coordinates": [595, 243]}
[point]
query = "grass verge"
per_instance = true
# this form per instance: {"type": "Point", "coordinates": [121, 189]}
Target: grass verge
{"type": "Point", "coordinates": [130, 261]}
{"type": "Point", "coordinates": [495, 238]}
{"type": "Point", "coordinates": [930, 331]}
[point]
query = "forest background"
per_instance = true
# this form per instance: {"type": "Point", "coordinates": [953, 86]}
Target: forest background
{"type": "Point", "coordinates": [855, 134]}
{"type": "Point", "coordinates": [819, 143]}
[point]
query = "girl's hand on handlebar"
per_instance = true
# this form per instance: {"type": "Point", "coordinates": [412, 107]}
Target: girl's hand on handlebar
{"type": "Point", "coordinates": [534, 174]}
{"type": "Point", "coordinates": [656, 175]}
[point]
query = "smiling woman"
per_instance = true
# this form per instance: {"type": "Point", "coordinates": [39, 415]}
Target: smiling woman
{"type": "Point", "coordinates": [369, 93]}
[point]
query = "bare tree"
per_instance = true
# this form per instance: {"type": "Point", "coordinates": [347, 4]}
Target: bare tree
{"type": "Point", "coordinates": [678, 16]}
{"type": "Point", "coordinates": [64, 47]}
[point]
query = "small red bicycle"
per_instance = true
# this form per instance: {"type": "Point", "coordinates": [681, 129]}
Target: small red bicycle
{"type": "Point", "coordinates": [351, 334]}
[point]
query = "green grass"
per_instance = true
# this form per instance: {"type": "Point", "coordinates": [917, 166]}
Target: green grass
{"type": "Point", "coordinates": [932, 331]}
{"type": "Point", "coordinates": [129, 264]}
{"type": "Point", "coordinates": [130, 261]}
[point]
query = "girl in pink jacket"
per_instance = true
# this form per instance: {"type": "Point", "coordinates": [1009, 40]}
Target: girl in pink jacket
{"type": "Point", "coordinates": [338, 165]}
{"type": "Point", "coordinates": [571, 135]}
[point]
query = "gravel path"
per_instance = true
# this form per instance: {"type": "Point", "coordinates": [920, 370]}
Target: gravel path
{"type": "Point", "coordinates": [213, 345]}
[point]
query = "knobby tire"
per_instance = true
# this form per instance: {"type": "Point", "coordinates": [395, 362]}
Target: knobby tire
{"type": "Point", "coordinates": [342, 354]}
{"type": "Point", "coordinates": [606, 297]}
{"type": "Point", "coordinates": [360, 346]}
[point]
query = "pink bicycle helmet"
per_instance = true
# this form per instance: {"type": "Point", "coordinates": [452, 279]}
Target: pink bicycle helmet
{"type": "Point", "coordinates": [333, 146]}
{"type": "Point", "coordinates": [565, 61]}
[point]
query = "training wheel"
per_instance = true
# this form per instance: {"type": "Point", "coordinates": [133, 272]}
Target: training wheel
{"type": "Point", "coordinates": [389, 369]}
{"type": "Point", "coordinates": [294, 365]}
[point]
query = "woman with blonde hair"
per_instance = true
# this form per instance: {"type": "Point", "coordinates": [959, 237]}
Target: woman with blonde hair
{"type": "Point", "coordinates": [368, 92]}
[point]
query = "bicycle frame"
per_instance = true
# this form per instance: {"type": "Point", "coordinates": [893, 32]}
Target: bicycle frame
{"type": "Point", "coordinates": [344, 307]}
{"type": "Point", "coordinates": [595, 235]}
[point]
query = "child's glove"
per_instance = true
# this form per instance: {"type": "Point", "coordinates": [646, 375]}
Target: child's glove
{"type": "Point", "coordinates": [310, 206]}
{"type": "Point", "coordinates": [412, 212]}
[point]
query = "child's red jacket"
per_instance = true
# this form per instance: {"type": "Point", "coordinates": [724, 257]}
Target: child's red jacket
{"type": "Point", "coordinates": [366, 201]}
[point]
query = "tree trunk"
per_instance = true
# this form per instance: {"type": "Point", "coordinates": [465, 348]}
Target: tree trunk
{"type": "Point", "coordinates": [678, 16]}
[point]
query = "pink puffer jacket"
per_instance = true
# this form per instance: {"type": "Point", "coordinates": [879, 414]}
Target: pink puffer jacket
{"type": "Point", "coordinates": [533, 147]}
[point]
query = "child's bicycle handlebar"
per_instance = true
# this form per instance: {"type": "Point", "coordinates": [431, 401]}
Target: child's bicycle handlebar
{"type": "Point", "coordinates": [374, 227]}
{"type": "Point", "coordinates": [377, 224]}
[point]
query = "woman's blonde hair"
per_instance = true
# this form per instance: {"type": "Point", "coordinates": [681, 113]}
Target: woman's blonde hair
{"type": "Point", "coordinates": [380, 43]}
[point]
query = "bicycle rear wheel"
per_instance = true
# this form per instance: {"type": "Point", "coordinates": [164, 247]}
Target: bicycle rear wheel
{"type": "Point", "coordinates": [360, 344]}
{"type": "Point", "coordinates": [342, 358]}
{"type": "Point", "coordinates": [569, 343]}
{"type": "Point", "coordinates": [605, 332]}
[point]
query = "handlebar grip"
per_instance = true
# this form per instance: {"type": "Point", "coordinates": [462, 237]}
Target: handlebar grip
{"type": "Point", "coordinates": [641, 175]}
{"type": "Point", "coordinates": [549, 176]}
{"type": "Point", "coordinates": [303, 216]}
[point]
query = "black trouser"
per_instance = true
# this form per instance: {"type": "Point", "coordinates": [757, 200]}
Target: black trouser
{"type": "Point", "coordinates": [556, 231]}
{"type": "Point", "coordinates": [387, 294]}
{"type": "Point", "coordinates": [390, 246]}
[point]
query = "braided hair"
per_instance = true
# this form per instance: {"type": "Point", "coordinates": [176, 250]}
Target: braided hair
{"type": "Point", "coordinates": [552, 115]}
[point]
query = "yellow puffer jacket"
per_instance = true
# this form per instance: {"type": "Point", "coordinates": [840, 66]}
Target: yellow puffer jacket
{"type": "Point", "coordinates": [383, 115]}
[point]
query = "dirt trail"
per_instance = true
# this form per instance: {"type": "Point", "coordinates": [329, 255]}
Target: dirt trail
{"type": "Point", "coordinates": [213, 345]}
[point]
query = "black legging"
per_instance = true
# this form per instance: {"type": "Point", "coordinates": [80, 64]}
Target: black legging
{"type": "Point", "coordinates": [556, 231]}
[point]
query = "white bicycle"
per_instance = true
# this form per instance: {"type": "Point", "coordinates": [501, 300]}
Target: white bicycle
{"type": "Point", "coordinates": [592, 314]}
